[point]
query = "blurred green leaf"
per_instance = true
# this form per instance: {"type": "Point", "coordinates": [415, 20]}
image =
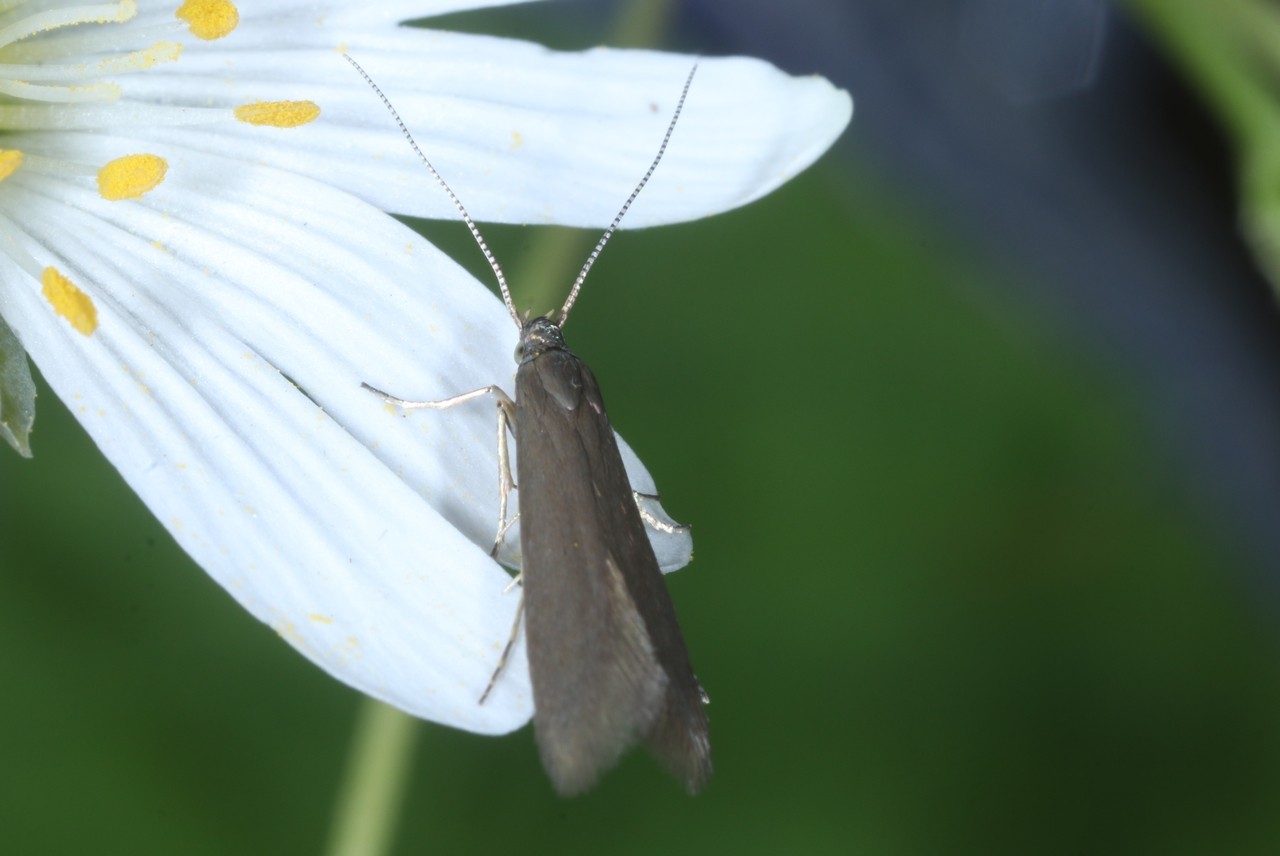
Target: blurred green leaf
{"type": "Point", "coordinates": [17, 393]}
{"type": "Point", "coordinates": [1230, 51]}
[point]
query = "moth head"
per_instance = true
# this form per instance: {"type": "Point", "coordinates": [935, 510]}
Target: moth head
{"type": "Point", "coordinates": [537, 336]}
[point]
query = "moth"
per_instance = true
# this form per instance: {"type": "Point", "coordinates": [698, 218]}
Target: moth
{"type": "Point", "coordinates": [607, 660]}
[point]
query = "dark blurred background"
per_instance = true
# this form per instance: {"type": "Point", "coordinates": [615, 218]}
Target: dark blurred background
{"type": "Point", "coordinates": [976, 423]}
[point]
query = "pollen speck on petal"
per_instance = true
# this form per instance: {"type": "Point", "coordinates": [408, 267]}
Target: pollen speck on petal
{"type": "Point", "coordinates": [278, 114]}
{"type": "Point", "coordinates": [131, 176]}
{"type": "Point", "coordinates": [10, 160]}
{"type": "Point", "coordinates": [69, 301]}
{"type": "Point", "coordinates": [209, 19]}
{"type": "Point", "coordinates": [157, 53]}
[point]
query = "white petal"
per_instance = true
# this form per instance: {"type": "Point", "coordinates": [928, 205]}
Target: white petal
{"type": "Point", "coordinates": [362, 14]}
{"type": "Point", "coordinates": [351, 530]}
{"type": "Point", "coordinates": [522, 133]}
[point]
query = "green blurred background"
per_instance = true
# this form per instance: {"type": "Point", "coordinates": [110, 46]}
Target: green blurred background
{"type": "Point", "coordinates": [946, 598]}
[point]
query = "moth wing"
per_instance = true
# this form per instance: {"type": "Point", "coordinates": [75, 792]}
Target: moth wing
{"type": "Point", "coordinates": [606, 658]}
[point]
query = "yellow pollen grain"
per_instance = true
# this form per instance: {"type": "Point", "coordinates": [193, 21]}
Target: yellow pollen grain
{"type": "Point", "coordinates": [278, 114]}
{"type": "Point", "coordinates": [10, 160]}
{"type": "Point", "coordinates": [69, 301]}
{"type": "Point", "coordinates": [209, 19]}
{"type": "Point", "coordinates": [131, 176]}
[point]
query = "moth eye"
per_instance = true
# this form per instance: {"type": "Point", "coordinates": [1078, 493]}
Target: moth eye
{"type": "Point", "coordinates": [519, 353]}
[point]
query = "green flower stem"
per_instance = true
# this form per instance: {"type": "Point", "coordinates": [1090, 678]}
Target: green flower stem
{"type": "Point", "coordinates": [377, 775]}
{"type": "Point", "coordinates": [548, 268]}
{"type": "Point", "coordinates": [641, 23]}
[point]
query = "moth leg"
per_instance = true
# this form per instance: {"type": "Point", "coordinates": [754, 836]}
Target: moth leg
{"type": "Point", "coordinates": [506, 652]}
{"type": "Point", "coordinates": [652, 520]}
{"type": "Point", "coordinates": [502, 534]}
{"type": "Point", "coordinates": [506, 422]}
{"type": "Point", "coordinates": [445, 403]}
{"type": "Point", "coordinates": [506, 419]}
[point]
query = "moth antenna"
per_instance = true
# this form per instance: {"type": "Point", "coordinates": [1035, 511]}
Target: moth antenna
{"type": "Point", "coordinates": [613, 227]}
{"type": "Point", "coordinates": [466, 218]}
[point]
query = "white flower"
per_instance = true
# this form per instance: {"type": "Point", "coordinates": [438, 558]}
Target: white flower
{"type": "Point", "coordinates": [192, 249]}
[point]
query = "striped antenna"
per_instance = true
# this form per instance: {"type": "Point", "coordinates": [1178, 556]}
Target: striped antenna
{"type": "Point", "coordinates": [466, 218]}
{"type": "Point", "coordinates": [613, 227]}
{"type": "Point", "coordinates": [475, 232]}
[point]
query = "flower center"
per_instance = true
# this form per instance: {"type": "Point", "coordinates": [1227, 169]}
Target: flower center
{"type": "Point", "coordinates": [71, 72]}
